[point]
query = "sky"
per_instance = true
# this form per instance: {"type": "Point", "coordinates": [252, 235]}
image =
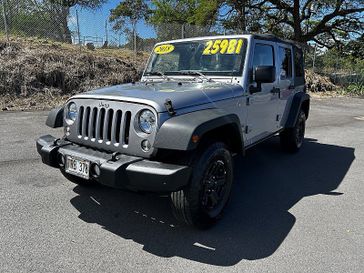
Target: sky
{"type": "Point", "coordinates": [92, 22]}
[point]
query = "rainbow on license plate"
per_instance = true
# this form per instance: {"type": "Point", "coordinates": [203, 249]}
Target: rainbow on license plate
{"type": "Point", "coordinates": [78, 167]}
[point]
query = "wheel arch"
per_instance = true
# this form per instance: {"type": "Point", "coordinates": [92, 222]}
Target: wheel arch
{"type": "Point", "coordinates": [186, 132]}
{"type": "Point", "coordinates": [300, 101]}
{"type": "Point", "coordinates": [55, 118]}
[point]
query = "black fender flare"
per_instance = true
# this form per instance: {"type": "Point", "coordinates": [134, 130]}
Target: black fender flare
{"type": "Point", "coordinates": [176, 133]}
{"type": "Point", "coordinates": [55, 118]}
{"type": "Point", "coordinates": [298, 100]}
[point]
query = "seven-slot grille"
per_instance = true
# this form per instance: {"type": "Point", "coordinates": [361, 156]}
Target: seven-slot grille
{"type": "Point", "coordinates": [103, 125]}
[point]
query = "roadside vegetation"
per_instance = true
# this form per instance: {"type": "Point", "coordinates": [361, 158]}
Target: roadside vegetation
{"type": "Point", "coordinates": [38, 74]}
{"type": "Point", "coordinates": [343, 65]}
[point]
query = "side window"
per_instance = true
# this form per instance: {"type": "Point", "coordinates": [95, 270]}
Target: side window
{"type": "Point", "coordinates": [285, 57]}
{"type": "Point", "coordinates": [298, 63]}
{"type": "Point", "coordinates": [263, 55]}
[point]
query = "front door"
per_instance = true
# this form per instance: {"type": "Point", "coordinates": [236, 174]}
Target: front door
{"type": "Point", "coordinates": [262, 105]}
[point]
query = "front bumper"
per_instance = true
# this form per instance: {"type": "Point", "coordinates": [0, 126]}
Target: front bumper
{"type": "Point", "coordinates": [121, 171]}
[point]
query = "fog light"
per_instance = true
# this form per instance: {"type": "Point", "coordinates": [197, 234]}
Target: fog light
{"type": "Point", "coordinates": [95, 170]}
{"type": "Point", "coordinates": [146, 145]}
{"type": "Point", "coordinates": [61, 160]}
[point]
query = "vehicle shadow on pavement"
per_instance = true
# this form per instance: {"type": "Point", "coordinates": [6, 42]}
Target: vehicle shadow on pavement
{"type": "Point", "coordinates": [268, 183]}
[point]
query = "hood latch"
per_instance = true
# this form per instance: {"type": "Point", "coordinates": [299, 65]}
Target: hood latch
{"type": "Point", "coordinates": [169, 107]}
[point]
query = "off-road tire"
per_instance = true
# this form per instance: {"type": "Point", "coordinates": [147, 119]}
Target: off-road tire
{"type": "Point", "coordinates": [292, 138]}
{"type": "Point", "coordinates": [189, 205]}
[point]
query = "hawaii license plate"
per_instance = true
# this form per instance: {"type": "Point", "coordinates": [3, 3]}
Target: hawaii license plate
{"type": "Point", "coordinates": [78, 167]}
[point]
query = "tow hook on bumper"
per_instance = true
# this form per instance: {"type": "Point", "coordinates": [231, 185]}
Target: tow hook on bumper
{"type": "Point", "coordinates": [125, 171]}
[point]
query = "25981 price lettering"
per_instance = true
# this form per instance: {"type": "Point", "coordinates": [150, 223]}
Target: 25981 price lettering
{"type": "Point", "coordinates": [232, 46]}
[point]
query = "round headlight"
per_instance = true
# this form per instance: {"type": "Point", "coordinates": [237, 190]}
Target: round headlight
{"type": "Point", "coordinates": [71, 115]}
{"type": "Point", "coordinates": [147, 121]}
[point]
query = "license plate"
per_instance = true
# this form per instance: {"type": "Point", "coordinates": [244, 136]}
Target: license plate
{"type": "Point", "coordinates": [78, 167]}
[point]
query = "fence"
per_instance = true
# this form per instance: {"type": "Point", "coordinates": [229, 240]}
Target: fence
{"type": "Point", "coordinates": [335, 67]}
{"type": "Point", "coordinates": [40, 18]}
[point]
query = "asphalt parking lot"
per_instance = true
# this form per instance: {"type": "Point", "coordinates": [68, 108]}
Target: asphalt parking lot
{"type": "Point", "coordinates": [289, 213]}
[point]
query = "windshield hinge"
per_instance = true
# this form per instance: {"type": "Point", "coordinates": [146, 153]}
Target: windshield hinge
{"type": "Point", "coordinates": [169, 107]}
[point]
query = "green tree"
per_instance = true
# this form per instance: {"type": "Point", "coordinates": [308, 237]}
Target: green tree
{"type": "Point", "coordinates": [194, 12]}
{"type": "Point", "coordinates": [326, 22]}
{"type": "Point", "coordinates": [43, 18]}
{"type": "Point", "coordinates": [60, 11]}
{"type": "Point", "coordinates": [92, 4]}
{"type": "Point", "coordinates": [355, 48]}
{"type": "Point", "coordinates": [127, 14]}
{"type": "Point", "coordinates": [174, 19]}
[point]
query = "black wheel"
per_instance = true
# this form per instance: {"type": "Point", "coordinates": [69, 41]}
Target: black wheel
{"type": "Point", "coordinates": [78, 180]}
{"type": "Point", "coordinates": [202, 202]}
{"type": "Point", "coordinates": [292, 138]}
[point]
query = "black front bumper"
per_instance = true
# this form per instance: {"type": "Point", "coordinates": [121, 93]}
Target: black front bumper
{"type": "Point", "coordinates": [120, 171]}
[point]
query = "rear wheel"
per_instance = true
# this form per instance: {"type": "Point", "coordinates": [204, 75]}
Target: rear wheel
{"type": "Point", "coordinates": [292, 138]}
{"type": "Point", "coordinates": [202, 202]}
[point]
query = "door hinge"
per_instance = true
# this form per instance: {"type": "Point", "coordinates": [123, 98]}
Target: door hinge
{"type": "Point", "coordinates": [247, 101]}
{"type": "Point", "coordinates": [277, 118]}
{"type": "Point", "coordinates": [247, 129]}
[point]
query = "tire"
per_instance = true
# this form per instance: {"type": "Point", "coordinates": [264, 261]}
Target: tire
{"type": "Point", "coordinates": [203, 201]}
{"type": "Point", "coordinates": [292, 138]}
{"type": "Point", "coordinates": [78, 180]}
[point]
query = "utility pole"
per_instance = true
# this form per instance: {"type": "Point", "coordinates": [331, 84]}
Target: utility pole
{"type": "Point", "coordinates": [78, 28]}
{"type": "Point", "coordinates": [314, 58]}
{"type": "Point", "coordinates": [134, 25]}
{"type": "Point", "coordinates": [135, 42]}
{"type": "Point", "coordinates": [5, 21]}
{"type": "Point", "coordinates": [106, 33]}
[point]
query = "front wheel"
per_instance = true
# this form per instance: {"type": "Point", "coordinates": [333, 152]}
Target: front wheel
{"type": "Point", "coordinates": [292, 138]}
{"type": "Point", "coordinates": [202, 202]}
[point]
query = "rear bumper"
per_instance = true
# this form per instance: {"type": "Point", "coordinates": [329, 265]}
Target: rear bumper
{"type": "Point", "coordinates": [122, 171]}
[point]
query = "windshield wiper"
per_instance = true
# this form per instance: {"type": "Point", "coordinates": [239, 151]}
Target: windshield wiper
{"type": "Point", "coordinates": [195, 73]}
{"type": "Point", "coordinates": [157, 73]}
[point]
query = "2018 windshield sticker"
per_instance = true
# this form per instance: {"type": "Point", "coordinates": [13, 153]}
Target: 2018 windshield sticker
{"type": "Point", "coordinates": [231, 46]}
{"type": "Point", "coordinates": [164, 49]}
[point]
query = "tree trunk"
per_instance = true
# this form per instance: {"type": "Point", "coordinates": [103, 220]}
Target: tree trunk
{"type": "Point", "coordinates": [243, 19]}
{"type": "Point", "coordinates": [297, 21]}
{"type": "Point", "coordinates": [134, 36]}
{"type": "Point", "coordinates": [66, 33]}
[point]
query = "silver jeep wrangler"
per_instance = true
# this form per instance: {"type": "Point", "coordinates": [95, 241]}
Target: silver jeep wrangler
{"type": "Point", "coordinates": [199, 101]}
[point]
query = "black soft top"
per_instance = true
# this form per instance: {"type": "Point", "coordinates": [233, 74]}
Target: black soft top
{"type": "Point", "coordinates": [273, 38]}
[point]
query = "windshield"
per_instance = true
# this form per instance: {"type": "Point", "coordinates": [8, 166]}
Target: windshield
{"type": "Point", "coordinates": [223, 57]}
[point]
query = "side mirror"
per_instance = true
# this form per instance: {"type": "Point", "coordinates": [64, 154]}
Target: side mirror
{"type": "Point", "coordinates": [265, 74]}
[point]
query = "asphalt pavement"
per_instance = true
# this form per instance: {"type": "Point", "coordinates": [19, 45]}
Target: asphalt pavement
{"type": "Point", "coordinates": [288, 213]}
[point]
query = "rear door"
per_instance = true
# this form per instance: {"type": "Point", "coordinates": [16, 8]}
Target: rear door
{"type": "Point", "coordinates": [285, 79]}
{"type": "Point", "coordinates": [262, 106]}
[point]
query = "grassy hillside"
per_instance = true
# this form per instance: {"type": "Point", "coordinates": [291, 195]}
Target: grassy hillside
{"type": "Point", "coordinates": [38, 74]}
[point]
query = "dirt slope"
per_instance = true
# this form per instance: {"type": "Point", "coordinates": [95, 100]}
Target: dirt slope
{"type": "Point", "coordinates": [33, 72]}
{"type": "Point", "coordinates": [38, 74]}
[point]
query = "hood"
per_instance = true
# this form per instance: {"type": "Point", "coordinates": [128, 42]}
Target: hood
{"type": "Point", "coordinates": [155, 94]}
